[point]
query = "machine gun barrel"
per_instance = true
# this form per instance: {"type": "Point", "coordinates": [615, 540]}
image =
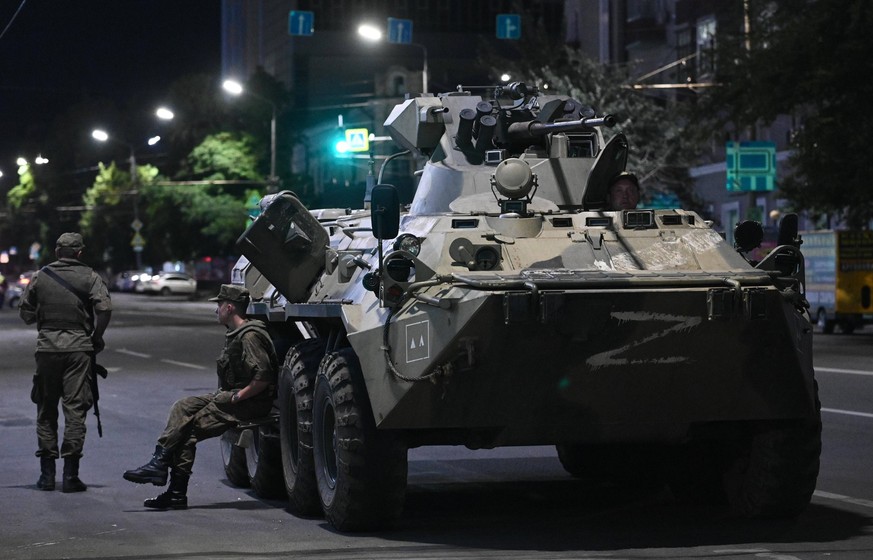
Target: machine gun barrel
{"type": "Point", "coordinates": [531, 129]}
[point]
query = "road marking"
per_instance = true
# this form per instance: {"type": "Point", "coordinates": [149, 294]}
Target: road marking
{"type": "Point", "coordinates": [846, 499]}
{"type": "Point", "coordinates": [847, 412]}
{"type": "Point", "coordinates": [183, 364]}
{"type": "Point", "coordinates": [849, 371]}
{"type": "Point", "coordinates": [132, 353]}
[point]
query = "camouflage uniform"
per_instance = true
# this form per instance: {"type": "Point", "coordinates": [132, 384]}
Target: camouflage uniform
{"type": "Point", "coordinates": [63, 351]}
{"type": "Point", "coordinates": [248, 355]}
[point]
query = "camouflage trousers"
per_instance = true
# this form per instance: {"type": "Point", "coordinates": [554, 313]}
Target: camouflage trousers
{"type": "Point", "coordinates": [194, 419]}
{"type": "Point", "coordinates": [62, 378]}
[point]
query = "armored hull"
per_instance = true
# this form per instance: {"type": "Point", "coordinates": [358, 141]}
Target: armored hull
{"type": "Point", "coordinates": [508, 305]}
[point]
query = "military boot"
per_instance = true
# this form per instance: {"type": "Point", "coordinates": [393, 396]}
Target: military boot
{"type": "Point", "coordinates": [155, 471]}
{"type": "Point", "coordinates": [47, 474]}
{"type": "Point", "coordinates": [176, 496]}
{"type": "Point", "coordinates": [71, 476]}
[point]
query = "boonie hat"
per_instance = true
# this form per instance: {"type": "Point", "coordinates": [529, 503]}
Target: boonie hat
{"type": "Point", "coordinates": [71, 240]}
{"type": "Point", "coordinates": [232, 292]}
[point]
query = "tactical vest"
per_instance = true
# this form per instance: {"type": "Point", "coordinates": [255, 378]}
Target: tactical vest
{"type": "Point", "coordinates": [58, 307]}
{"type": "Point", "coordinates": [232, 373]}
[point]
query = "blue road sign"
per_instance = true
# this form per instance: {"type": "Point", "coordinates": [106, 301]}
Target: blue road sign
{"type": "Point", "coordinates": [399, 30]}
{"type": "Point", "coordinates": [508, 26]}
{"type": "Point", "coordinates": [301, 23]}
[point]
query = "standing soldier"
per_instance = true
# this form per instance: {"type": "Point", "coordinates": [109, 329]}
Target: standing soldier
{"type": "Point", "coordinates": [247, 370]}
{"type": "Point", "coordinates": [71, 306]}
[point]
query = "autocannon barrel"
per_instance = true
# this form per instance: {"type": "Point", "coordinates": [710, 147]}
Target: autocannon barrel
{"type": "Point", "coordinates": [531, 129]}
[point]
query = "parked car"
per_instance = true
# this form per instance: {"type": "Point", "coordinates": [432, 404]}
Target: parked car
{"type": "Point", "coordinates": [166, 283]}
{"type": "Point", "coordinates": [16, 288]}
{"type": "Point", "coordinates": [126, 281]}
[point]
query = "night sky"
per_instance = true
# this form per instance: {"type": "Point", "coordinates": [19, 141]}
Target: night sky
{"type": "Point", "coordinates": [57, 52]}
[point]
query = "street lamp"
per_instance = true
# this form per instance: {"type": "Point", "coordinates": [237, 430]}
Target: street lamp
{"type": "Point", "coordinates": [164, 114]}
{"type": "Point", "coordinates": [372, 33]}
{"type": "Point", "coordinates": [235, 88]}
{"type": "Point", "coordinates": [103, 136]}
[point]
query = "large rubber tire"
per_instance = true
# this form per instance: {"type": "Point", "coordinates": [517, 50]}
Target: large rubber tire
{"type": "Point", "coordinates": [361, 472]}
{"type": "Point", "coordinates": [264, 462]}
{"type": "Point", "coordinates": [777, 475]}
{"type": "Point", "coordinates": [234, 459]}
{"type": "Point", "coordinates": [296, 385]}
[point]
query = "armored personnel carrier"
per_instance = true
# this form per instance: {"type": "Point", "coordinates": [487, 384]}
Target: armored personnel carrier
{"type": "Point", "coordinates": [507, 306]}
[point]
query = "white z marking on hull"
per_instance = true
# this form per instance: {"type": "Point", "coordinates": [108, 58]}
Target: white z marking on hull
{"type": "Point", "coordinates": [612, 357]}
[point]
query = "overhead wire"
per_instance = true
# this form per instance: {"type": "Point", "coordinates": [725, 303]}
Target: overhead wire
{"type": "Point", "coordinates": [8, 25]}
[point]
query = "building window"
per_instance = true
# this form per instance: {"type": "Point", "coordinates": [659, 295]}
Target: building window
{"type": "Point", "coordinates": [684, 48]}
{"type": "Point", "coordinates": [705, 47]}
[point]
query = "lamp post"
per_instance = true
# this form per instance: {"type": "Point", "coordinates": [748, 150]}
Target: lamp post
{"type": "Point", "coordinates": [374, 34]}
{"type": "Point", "coordinates": [103, 136]}
{"type": "Point", "coordinates": [235, 88]}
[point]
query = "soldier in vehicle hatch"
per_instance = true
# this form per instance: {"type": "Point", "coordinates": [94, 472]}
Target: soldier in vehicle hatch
{"type": "Point", "coordinates": [247, 371]}
{"type": "Point", "coordinates": [70, 304]}
{"type": "Point", "coordinates": [624, 191]}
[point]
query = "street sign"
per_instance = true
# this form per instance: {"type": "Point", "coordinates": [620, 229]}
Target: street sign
{"type": "Point", "coordinates": [399, 30]}
{"type": "Point", "coordinates": [357, 140]}
{"type": "Point", "coordinates": [138, 242]}
{"type": "Point", "coordinates": [750, 166]}
{"type": "Point", "coordinates": [508, 26]}
{"type": "Point", "coordinates": [301, 23]}
{"type": "Point", "coordinates": [136, 224]}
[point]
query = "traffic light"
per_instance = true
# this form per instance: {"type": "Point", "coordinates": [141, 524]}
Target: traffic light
{"type": "Point", "coordinates": [338, 143]}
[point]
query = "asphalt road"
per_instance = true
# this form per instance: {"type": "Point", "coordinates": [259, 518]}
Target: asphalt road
{"type": "Point", "coordinates": [506, 503]}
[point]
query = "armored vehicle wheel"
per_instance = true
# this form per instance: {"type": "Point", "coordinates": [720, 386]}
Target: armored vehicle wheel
{"type": "Point", "coordinates": [264, 462]}
{"type": "Point", "coordinates": [777, 475]}
{"type": "Point", "coordinates": [234, 459]}
{"type": "Point", "coordinates": [296, 383]}
{"type": "Point", "coordinates": [361, 473]}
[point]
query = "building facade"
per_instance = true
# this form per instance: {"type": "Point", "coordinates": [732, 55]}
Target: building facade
{"type": "Point", "coordinates": [338, 80]}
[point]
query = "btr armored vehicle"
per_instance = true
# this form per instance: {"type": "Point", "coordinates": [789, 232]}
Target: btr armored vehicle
{"type": "Point", "coordinates": [507, 306]}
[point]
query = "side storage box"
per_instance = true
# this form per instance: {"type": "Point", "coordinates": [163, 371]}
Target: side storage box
{"type": "Point", "coordinates": [286, 244]}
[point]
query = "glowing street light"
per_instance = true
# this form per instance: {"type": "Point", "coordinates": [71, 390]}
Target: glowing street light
{"type": "Point", "coordinates": [235, 88]}
{"type": "Point", "coordinates": [103, 136]}
{"type": "Point", "coordinates": [164, 114]}
{"type": "Point", "coordinates": [372, 33]}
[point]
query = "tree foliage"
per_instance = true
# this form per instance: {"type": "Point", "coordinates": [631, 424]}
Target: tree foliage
{"type": "Point", "coordinates": [224, 156]}
{"type": "Point", "coordinates": [24, 190]}
{"type": "Point", "coordinates": [110, 209]}
{"type": "Point", "coordinates": [184, 222]}
{"type": "Point", "coordinates": [662, 144]}
{"type": "Point", "coordinates": [810, 59]}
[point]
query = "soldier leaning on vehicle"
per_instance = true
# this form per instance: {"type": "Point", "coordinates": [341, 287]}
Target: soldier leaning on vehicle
{"type": "Point", "coordinates": [247, 370]}
{"type": "Point", "coordinates": [71, 306]}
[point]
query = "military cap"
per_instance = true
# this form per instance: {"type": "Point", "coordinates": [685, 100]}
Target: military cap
{"type": "Point", "coordinates": [71, 240]}
{"type": "Point", "coordinates": [626, 175]}
{"type": "Point", "coordinates": [232, 292]}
